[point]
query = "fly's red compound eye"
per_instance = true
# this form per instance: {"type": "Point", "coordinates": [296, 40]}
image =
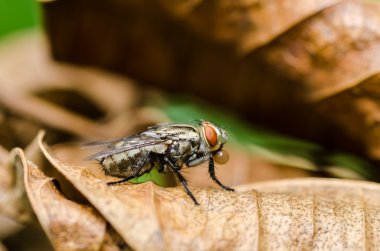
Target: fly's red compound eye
{"type": "Point", "coordinates": [211, 135]}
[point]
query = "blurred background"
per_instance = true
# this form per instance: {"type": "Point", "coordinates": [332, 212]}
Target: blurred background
{"type": "Point", "coordinates": [174, 71]}
{"type": "Point", "coordinates": [19, 15]}
{"type": "Point", "coordinates": [295, 85]}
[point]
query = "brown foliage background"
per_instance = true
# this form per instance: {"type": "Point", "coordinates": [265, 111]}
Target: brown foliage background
{"type": "Point", "coordinates": [308, 68]}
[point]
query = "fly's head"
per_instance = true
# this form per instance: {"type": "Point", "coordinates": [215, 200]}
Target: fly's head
{"type": "Point", "coordinates": [215, 138]}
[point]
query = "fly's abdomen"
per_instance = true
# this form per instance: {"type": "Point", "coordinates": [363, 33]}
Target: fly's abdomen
{"type": "Point", "coordinates": [126, 164]}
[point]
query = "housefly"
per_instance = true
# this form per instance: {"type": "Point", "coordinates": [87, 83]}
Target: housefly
{"type": "Point", "coordinates": [166, 147]}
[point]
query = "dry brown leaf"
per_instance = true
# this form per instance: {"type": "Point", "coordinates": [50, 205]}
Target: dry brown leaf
{"type": "Point", "coordinates": [362, 121]}
{"type": "Point", "coordinates": [9, 222]}
{"type": "Point", "coordinates": [299, 61]}
{"type": "Point", "coordinates": [5, 170]}
{"type": "Point", "coordinates": [335, 56]}
{"type": "Point", "coordinates": [69, 225]}
{"type": "Point", "coordinates": [149, 217]}
{"type": "Point", "coordinates": [343, 212]}
{"type": "Point", "coordinates": [331, 52]}
{"type": "Point", "coordinates": [13, 201]}
{"type": "Point", "coordinates": [2, 247]}
{"type": "Point", "coordinates": [16, 213]}
{"type": "Point", "coordinates": [3, 155]}
{"type": "Point", "coordinates": [244, 24]}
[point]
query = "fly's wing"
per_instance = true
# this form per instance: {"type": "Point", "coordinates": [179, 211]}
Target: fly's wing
{"type": "Point", "coordinates": [164, 126]}
{"type": "Point", "coordinates": [110, 142]}
{"type": "Point", "coordinates": [155, 131]}
{"type": "Point", "coordinates": [154, 135]}
{"type": "Point", "coordinates": [127, 144]}
{"type": "Point", "coordinates": [100, 142]}
{"type": "Point", "coordinates": [173, 131]}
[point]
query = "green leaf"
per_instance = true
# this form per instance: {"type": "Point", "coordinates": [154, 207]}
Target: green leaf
{"type": "Point", "coordinates": [18, 15]}
{"type": "Point", "coordinates": [158, 178]}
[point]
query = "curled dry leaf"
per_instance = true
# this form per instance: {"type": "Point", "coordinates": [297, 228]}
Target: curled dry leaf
{"type": "Point", "coordinates": [335, 57]}
{"type": "Point", "coordinates": [149, 217]}
{"type": "Point", "coordinates": [3, 155]}
{"type": "Point", "coordinates": [332, 51]}
{"type": "Point", "coordinates": [69, 225]}
{"type": "Point", "coordinates": [13, 200]}
{"type": "Point", "coordinates": [305, 61]}
{"type": "Point", "coordinates": [244, 24]}
{"type": "Point", "coordinates": [5, 170]}
{"type": "Point", "coordinates": [2, 247]}
{"type": "Point", "coordinates": [8, 220]}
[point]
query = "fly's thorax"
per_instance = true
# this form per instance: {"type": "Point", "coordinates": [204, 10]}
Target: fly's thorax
{"type": "Point", "coordinates": [180, 150]}
{"type": "Point", "coordinates": [178, 132]}
{"type": "Point", "coordinates": [159, 149]}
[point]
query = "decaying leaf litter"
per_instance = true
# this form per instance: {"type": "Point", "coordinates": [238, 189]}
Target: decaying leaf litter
{"type": "Point", "coordinates": [69, 225]}
{"type": "Point", "coordinates": [38, 89]}
{"type": "Point", "coordinates": [299, 214]}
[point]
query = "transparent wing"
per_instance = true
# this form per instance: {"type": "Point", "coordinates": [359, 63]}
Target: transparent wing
{"type": "Point", "coordinates": [154, 131]}
{"type": "Point", "coordinates": [170, 125]}
{"type": "Point", "coordinates": [101, 142]}
{"type": "Point", "coordinates": [154, 135]}
{"type": "Point", "coordinates": [126, 144]}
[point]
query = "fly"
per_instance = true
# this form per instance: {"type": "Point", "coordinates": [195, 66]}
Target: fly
{"type": "Point", "coordinates": [166, 147]}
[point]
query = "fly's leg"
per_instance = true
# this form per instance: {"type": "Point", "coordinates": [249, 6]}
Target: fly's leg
{"type": "Point", "coordinates": [181, 179]}
{"type": "Point", "coordinates": [136, 174]}
{"type": "Point", "coordinates": [161, 166]}
{"type": "Point", "coordinates": [184, 184]}
{"type": "Point", "coordinates": [122, 180]}
{"type": "Point", "coordinates": [211, 171]}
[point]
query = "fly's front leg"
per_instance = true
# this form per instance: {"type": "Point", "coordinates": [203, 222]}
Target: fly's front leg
{"type": "Point", "coordinates": [181, 179]}
{"type": "Point", "coordinates": [211, 171]}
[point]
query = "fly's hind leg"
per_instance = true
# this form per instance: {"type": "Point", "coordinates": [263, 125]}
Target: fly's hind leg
{"type": "Point", "coordinates": [160, 161]}
{"type": "Point", "coordinates": [136, 174]}
{"type": "Point", "coordinates": [181, 179]}
{"type": "Point", "coordinates": [211, 171]}
{"type": "Point", "coordinates": [121, 181]}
